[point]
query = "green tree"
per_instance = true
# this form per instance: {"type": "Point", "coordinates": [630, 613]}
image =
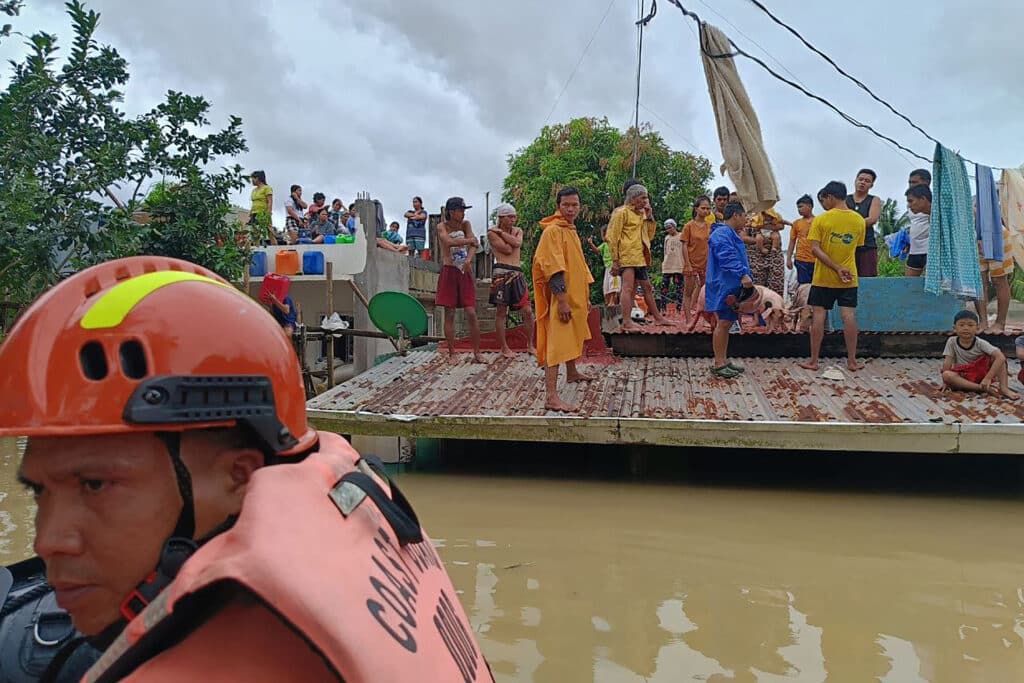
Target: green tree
{"type": "Point", "coordinates": [72, 166]}
{"type": "Point", "coordinates": [596, 158]}
{"type": "Point", "coordinates": [889, 221]}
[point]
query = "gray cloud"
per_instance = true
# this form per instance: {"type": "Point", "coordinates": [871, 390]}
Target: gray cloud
{"type": "Point", "coordinates": [429, 98]}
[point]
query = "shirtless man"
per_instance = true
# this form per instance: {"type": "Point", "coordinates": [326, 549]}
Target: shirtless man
{"type": "Point", "coordinates": [508, 286]}
{"type": "Point", "coordinates": [455, 287]}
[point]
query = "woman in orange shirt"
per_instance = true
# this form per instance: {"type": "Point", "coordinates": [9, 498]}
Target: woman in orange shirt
{"type": "Point", "coordinates": [695, 253]}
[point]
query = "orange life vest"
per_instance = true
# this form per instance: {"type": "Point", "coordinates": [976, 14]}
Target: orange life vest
{"type": "Point", "coordinates": [327, 566]}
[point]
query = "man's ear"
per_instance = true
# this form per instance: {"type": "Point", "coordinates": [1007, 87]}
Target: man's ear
{"type": "Point", "coordinates": [242, 463]}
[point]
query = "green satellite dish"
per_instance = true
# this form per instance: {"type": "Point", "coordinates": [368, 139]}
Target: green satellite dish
{"type": "Point", "coordinates": [398, 315]}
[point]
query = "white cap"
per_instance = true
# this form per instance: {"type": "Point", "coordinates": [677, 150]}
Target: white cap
{"type": "Point", "coordinates": [505, 210]}
{"type": "Point", "coordinates": [671, 222]}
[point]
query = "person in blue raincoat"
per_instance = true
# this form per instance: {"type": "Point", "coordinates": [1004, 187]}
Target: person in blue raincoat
{"type": "Point", "coordinates": [728, 271]}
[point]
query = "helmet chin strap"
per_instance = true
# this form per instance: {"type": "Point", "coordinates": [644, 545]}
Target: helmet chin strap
{"type": "Point", "coordinates": [178, 547]}
{"type": "Point", "coordinates": [186, 525]}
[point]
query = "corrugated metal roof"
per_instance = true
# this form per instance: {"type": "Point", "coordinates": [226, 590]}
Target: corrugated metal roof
{"type": "Point", "coordinates": [890, 390]}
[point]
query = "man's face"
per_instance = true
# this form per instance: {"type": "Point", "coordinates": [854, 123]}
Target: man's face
{"type": "Point", "coordinates": [336, 206]}
{"type": "Point", "coordinates": [106, 504]}
{"type": "Point", "coordinates": [298, 192]}
{"type": "Point", "coordinates": [507, 222]}
{"type": "Point", "coordinates": [916, 180]}
{"type": "Point", "coordinates": [720, 202]}
{"type": "Point", "coordinates": [864, 182]}
{"type": "Point", "coordinates": [733, 197]}
{"type": "Point", "coordinates": [805, 210]}
{"type": "Point", "coordinates": [417, 204]}
{"type": "Point", "coordinates": [919, 204]}
{"type": "Point", "coordinates": [569, 207]}
{"type": "Point", "coordinates": [830, 202]}
{"type": "Point", "coordinates": [323, 216]}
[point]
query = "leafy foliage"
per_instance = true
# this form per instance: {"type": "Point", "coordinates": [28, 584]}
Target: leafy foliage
{"type": "Point", "coordinates": [65, 147]}
{"type": "Point", "coordinates": [11, 8]}
{"type": "Point", "coordinates": [889, 266]}
{"type": "Point", "coordinates": [596, 158]}
{"type": "Point", "coordinates": [1017, 284]}
{"type": "Point", "coordinates": [889, 221]}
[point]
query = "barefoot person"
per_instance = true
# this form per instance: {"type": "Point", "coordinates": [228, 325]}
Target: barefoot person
{"type": "Point", "coordinates": [835, 236]}
{"type": "Point", "coordinates": [455, 287]}
{"type": "Point", "coordinates": [630, 231]}
{"type": "Point", "coordinates": [561, 281]}
{"type": "Point", "coordinates": [727, 271]}
{"type": "Point", "coordinates": [508, 285]}
{"type": "Point", "coordinates": [970, 363]}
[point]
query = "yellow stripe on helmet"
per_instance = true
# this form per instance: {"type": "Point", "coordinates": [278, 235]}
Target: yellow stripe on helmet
{"type": "Point", "coordinates": [112, 308]}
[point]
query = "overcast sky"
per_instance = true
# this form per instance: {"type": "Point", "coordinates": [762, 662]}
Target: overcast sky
{"type": "Point", "coordinates": [399, 98]}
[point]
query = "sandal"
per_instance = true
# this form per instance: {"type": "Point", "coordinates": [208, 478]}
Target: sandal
{"type": "Point", "coordinates": [725, 372]}
{"type": "Point", "coordinates": [735, 366]}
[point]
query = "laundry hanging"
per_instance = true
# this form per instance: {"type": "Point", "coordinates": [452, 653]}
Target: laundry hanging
{"type": "Point", "coordinates": [990, 228]}
{"type": "Point", "coordinates": [1011, 202]}
{"type": "Point", "coordinates": [952, 246]}
{"type": "Point", "coordinates": [739, 131]}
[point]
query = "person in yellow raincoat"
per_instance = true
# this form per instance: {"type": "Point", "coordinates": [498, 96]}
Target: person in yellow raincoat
{"type": "Point", "coordinates": [561, 282]}
{"type": "Point", "coordinates": [630, 232]}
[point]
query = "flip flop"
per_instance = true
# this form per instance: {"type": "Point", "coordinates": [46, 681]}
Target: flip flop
{"type": "Point", "coordinates": [736, 366]}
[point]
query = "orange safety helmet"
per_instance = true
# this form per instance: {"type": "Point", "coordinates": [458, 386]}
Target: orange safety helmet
{"type": "Point", "coordinates": [151, 344]}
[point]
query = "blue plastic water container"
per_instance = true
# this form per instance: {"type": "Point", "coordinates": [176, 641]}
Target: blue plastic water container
{"type": "Point", "coordinates": [313, 263]}
{"type": "Point", "coordinates": [330, 239]}
{"type": "Point", "coordinates": [258, 265]}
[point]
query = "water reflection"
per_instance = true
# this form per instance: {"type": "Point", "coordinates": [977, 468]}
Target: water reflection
{"type": "Point", "coordinates": [16, 507]}
{"type": "Point", "coordinates": [618, 582]}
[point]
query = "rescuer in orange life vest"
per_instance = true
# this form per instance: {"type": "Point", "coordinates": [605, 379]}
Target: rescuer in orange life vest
{"type": "Point", "coordinates": [191, 522]}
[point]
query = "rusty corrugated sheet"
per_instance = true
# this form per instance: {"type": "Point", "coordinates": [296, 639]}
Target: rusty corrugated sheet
{"type": "Point", "coordinates": [891, 390]}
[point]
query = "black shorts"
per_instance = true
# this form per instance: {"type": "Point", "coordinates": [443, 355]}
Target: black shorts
{"type": "Point", "coordinates": [917, 261]}
{"type": "Point", "coordinates": [639, 272]}
{"type": "Point", "coordinates": [826, 297]}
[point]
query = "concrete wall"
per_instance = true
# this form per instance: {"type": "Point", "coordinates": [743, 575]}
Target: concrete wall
{"type": "Point", "coordinates": [887, 304]}
{"type": "Point", "coordinates": [385, 271]}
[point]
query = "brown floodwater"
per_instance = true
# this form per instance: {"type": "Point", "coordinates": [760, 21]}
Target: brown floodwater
{"type": "Point", "coordinates": [613, 581]}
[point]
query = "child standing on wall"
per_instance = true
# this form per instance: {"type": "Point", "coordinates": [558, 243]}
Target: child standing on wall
{"type": "Point", "coordinates": [970, 363]}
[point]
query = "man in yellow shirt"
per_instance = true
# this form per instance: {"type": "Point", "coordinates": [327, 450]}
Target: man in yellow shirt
{"type": "Point", "coordinates": [630, 231]}
{"type": "Point", "coordinates": [835, 236]}
{"type": "Point", "coordinates": [720, 198]}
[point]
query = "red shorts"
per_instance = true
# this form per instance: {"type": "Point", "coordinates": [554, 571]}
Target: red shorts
{"type": "Point", "coordinates": [455, 289]}
{"type": "Point", "coordinates": [974, 371]}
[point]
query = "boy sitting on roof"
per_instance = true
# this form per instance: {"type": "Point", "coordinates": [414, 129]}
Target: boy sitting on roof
{"type": "Point", "coordinates": [972, 364]}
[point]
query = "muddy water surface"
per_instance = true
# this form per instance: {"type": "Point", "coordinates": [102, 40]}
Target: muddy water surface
{"type": "Point", "coordinates": [620, 582]}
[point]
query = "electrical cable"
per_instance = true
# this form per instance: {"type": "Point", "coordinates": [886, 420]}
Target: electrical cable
{"type": "Point", "coordinates": [579, 62]}
{"type": "Point", "coordinates": [855, 80]}
{"type": "Point", "coordinates": [737, 51]}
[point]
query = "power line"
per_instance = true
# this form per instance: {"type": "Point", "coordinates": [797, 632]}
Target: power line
{"type": "Point", "coordinates": [672, 128]}
{"type": "Point", "coordinates": [641, 25]}
{"type": "Point", "coordinates": [774, 59]}
{"type": "Point", "coordinates": [739, 51]}
{"type": "Point", "coordinates": [580, 61]}
{"type": "Point", "coordinates": [855, 80]}
{"type": "Point", "coordinates": [759, 46]}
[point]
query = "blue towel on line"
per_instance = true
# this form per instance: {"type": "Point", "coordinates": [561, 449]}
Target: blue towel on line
{"type": "Point", "coordinates": [989, 216]}
{"type": "Point", "coordinates": [953, 244]}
